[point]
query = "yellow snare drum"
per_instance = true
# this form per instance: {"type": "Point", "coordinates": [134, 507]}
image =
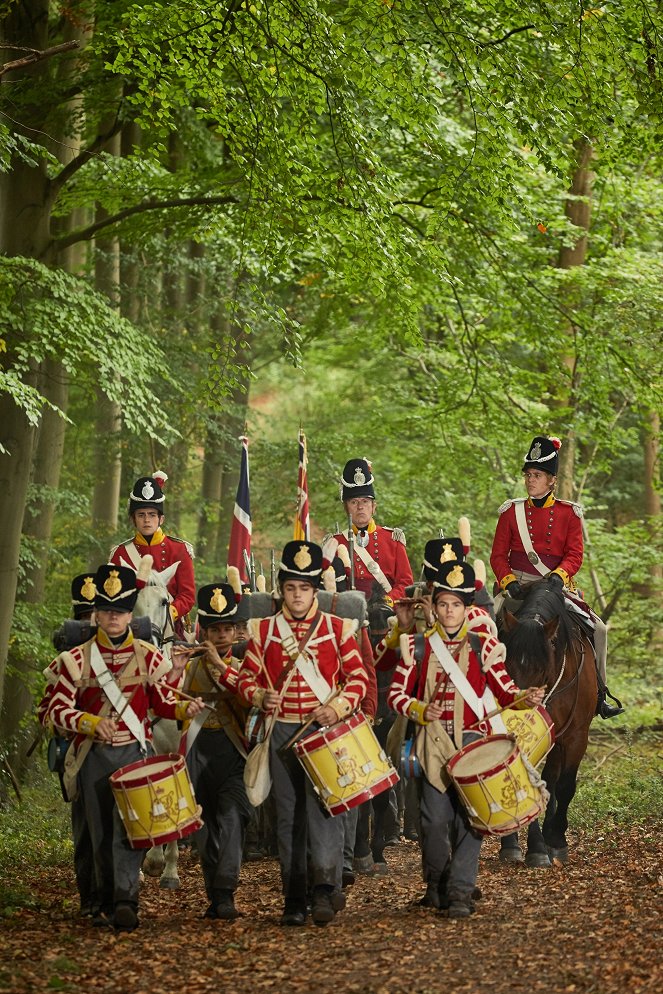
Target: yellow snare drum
{"type": "Point", "coordinates": [493, 784]}
{"type": "Point", "coordinates": [533, 730]}
{"type": "Point", "coordinates": [156, 801]}
{"type": "Point", "coordinates": [346, 764]}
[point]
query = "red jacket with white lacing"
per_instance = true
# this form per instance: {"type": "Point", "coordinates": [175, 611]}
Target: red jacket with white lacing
{"type": "Point", "coordinates": [333, 648]}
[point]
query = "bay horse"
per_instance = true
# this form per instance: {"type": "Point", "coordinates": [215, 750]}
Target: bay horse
{"type": "Point", "coordinates": [153, 601]}
{"type": "Point", "coordinates": [546, 645]}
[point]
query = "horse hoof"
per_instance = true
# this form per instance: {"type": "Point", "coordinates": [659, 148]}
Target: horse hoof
{"type": "Point", "coordinates": [537, 860]}
{"type": "Point", "coordinates": [170, 883]}
{"type": "Point", "coordinates": [153, 869]}
{"type": "Point", "coordinates": [558, 855]}
{"type": "Point", "coordinates": [141, 877]}
{"type": "Point", "coordinates": [512, 855]}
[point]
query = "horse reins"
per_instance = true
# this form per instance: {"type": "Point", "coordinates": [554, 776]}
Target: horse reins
{"type": "Point", "coordinates": [556, 689]}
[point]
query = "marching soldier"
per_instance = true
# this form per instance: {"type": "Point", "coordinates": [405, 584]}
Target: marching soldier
{"type": "Point", "coordinates": [294, 663]}
{"type": "Point", "coordinates": [425, 691]}
{"type": "Point", "coordinates": [146, 510]}
{"type": "Point", "coordinates": [101, 697]}
{"type": "Point", "coordinates": [216, 749]}
{"type": "Point", "coordinates": [541, 535]}
{"type": "Point", "coordinates": [379, 552]}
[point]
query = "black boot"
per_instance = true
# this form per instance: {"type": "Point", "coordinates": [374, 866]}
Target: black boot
{"type": "Point", "coordinates": [605, 710]}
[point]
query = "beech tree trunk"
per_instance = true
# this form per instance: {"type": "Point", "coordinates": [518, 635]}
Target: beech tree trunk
{"type": "Point", "coordinates": [578, 211]}
{"type": "Point", "coordinates": [108, 415]}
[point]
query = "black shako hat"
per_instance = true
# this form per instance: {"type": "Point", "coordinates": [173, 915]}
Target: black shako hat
{"type": "Point", "coordinates": [216, 603]}
{"type": "Point", "coordinates": [116, 588]}
{"type": "Point", "coordinates": [300, 561]}
{"type": "Point", "coordinates": [340, 576]}
{"type": "Point", "coordinates": [455, 578]}
{"type": "Point", "coordinates": [357, 480]}
{"type": "Point", "coordinates": [543, 455]}
{"type": "Point", "coordinates": [148, 492]}
{"type": "Point", "coordinates": [439, 551]}
{"type": "Point", "coordinates": [83, 592]}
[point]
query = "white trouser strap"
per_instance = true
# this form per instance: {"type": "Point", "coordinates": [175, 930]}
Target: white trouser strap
{"type": "Point", "coordinates": [307, 667]}
{"type": "Point", "coordinates": [371, 565]}
{"type": "Point", "coordinates": [118, 701]}
{"type": "Point", "coordinates": [532, 555]}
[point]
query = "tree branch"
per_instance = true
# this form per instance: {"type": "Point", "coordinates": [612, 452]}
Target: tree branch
{"type": "Point", "coordinates": [85, 234]}
{"type": "Point", "coordinates": [35, 55]}
{"type": "Point", "coordinates": [498, 41]}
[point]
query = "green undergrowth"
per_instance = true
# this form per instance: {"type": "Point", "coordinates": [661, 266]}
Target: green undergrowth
{"type": "Point", "coordinates": [619, 781]}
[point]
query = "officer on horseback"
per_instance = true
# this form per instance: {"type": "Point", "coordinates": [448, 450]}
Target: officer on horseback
{"type": "Point", "coordinates": [541, 535]}
{"type": "Point", "coordinates": [146, 510]}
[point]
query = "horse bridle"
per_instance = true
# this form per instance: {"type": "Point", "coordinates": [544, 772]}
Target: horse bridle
{"type": "Point", "coordinates": [575, 679]}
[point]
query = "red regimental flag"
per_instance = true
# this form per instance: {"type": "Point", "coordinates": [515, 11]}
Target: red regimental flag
{"type": "Point", "coordinates": [240, 532]}
{"type": "Point", "coordinates": [301, 529]}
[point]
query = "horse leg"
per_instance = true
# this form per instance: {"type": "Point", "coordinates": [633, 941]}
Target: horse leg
{"type": "Point", "coordinates": [169, 878]}
{"type": "Point", "coordinates": [554, 828]}
{"type": "Point", "coordinates": [154, 862]}
{"type": "Point", "coordinates": [510, 851]}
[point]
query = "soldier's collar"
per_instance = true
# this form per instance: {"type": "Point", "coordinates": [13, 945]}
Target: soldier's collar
{"type": "Point", "coordinates": [548, 502]}
{"type": "Point", "coordinates": [312, 610]}
{"type": "Point", "coordinates": [106, 643]}
{"type": "Point", "coordinates": [370, 527]}
{"type": "Point", "coordinates": [458, 637]}
{"type": "Point", "coordinates": [155, 539]}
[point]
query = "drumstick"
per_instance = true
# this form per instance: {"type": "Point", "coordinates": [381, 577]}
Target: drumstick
{"type": "Point", "coordinates": [307, 724]}
{"type": "Point", "coordinates": [187, 697]}
{"type": "Point", "coordinates": [493, 714]}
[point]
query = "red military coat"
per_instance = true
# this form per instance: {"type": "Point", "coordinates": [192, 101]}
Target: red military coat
{"type": "Point", "coordinates": [165, 551]}
{"type": "Point", "coordinates": [333, 648]}
{"type": "Point", "coordinates": [556, 533]}
{"type": "Point", "coordinates": [387, 547]}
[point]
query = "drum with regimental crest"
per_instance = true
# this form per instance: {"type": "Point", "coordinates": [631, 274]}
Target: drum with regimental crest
{"type": "Point", "coordinates": [533, 730]}
{"type": "Point", "coordinates": [495, 786]}
{"type": "Point", "coordinates": [156, 801]}
{"type": "Point", "coordinates": [346, 764]}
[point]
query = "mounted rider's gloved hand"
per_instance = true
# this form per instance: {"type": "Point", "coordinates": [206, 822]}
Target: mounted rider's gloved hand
{"type": "Point", "coordinates": [556, 581]}
{"type": "Point", "coordinates": [514, 590]}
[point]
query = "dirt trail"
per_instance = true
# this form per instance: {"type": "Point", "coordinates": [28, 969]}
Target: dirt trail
{"type": "Point", "coordinates": [593, 926]}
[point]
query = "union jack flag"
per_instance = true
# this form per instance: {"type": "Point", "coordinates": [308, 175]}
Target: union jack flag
{"type": "Point", "coordinates": [240, 532]}
{"type": "Point", "coordinates": [301, 529]}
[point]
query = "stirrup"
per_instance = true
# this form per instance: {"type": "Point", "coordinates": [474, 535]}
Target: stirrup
{"type": "Point", "coordinates": [605, 710]}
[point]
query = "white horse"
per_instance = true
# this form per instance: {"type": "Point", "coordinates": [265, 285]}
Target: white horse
{"type": "Point", "coordinates": [153, 601]}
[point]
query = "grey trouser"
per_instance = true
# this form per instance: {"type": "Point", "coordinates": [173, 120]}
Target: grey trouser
{"type": "Point", "coordinates": [116, 864]}
{"type": "Point", "coordinates": [83, 855]}
{"type": "Point", "coordinates": [301, 821]}
{"type": "Point", "coordinates": [217, 774]}
{"type": "Point", "coordinates": [450, 852]}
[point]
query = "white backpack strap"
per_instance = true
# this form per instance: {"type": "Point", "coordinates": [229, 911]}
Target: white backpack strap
{"type": "Point", "coordinates": [532, 555]}
{"type": "Point", "coordinates": [456, 675]}
{"type": "Point", "coordinates": [306, 666]}
{"type": "Point", "coordinates": [118, 701]}
{"type": "Point", "coordinates": [371, 565]}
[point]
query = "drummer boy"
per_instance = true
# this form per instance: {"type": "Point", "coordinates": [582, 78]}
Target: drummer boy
{"type": "Point", "coordinates": [305, 666]}
{"type": "Point", "coordinates": [102, 695]}
{"type": "Point", "coordinates": [443, 709]}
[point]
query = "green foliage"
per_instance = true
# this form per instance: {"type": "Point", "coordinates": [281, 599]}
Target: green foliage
{"type": "Point", "coordinates": [46, 313]}
{"type": "Point", "coordinates": [622, 788]}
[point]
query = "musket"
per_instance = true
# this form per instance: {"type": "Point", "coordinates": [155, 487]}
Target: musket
{"type": "Point", "coordinates": [351, 548]}
{"type": "Point", "coordinates": [253, 573]}
{"type": "Point", "coordinates": [273, 570]}
{"type": "Point", "coordinates": [247, 565]}
{"type": "Point", "coordinates": [441, 535]}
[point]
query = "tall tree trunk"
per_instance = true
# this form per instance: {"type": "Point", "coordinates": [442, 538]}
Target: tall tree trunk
{"type": "Point", "coordinates": [578, 211]}
{"type": "Point", "coordinates": [24, 231]}
{"type": "Point", "coordinates": [652, 507]}
{"type": "Point", "coordinates": [235, 420]}
{"type": "Point", "coordinates": [108, 414]}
